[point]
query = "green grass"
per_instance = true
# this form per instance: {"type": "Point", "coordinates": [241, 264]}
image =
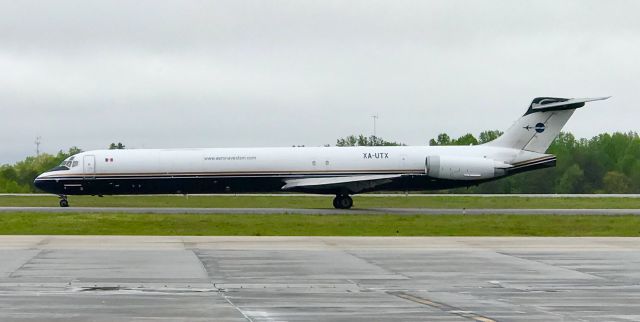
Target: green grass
{"type": "Point", "coordinates": [316, 225]}
{"type": "Point", "coordinates": [323, 202]}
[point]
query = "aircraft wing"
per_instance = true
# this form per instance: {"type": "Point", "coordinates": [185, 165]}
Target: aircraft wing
{"type": "Point", "coordinates": [350, 184]}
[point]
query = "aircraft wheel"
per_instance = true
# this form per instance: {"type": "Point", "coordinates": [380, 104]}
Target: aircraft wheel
{"type": "Point", "coordinates": [343, 202]}
{"type": "Point", "coordinates": [64, 203]}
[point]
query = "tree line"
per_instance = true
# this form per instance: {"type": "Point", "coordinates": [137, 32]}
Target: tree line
{"type": "Point", "coordinates": [606, 163]}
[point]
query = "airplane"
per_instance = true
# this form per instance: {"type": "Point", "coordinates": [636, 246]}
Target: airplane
{"type": "Point", "coordinates": [339, 171]}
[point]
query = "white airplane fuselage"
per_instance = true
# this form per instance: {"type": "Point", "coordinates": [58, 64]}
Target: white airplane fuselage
{"type": "Point", "coordinates": [342, 171]}
{"type": "Point", "coordinates": [192, 171]}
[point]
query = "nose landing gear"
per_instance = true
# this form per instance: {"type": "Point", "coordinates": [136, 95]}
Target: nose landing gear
{"type": "Point", "coordinates": [342, 202]}
{"type": "Point", "coordinates": [63, 201]}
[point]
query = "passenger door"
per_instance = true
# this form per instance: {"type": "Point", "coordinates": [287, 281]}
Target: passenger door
{"type": "Point", "coordinates": [89, 166]}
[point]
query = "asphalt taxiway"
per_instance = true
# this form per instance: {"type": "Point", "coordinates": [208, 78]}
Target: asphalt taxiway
{"type": "Point", "coordinates": [323, 211]}
{"type": "Point", "coordinates": [107, 278]}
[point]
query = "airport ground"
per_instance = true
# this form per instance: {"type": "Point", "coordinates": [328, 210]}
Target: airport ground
{"type": "Point", "coordinates": [360, 201]}
{"type": "Point", "coordinates": [25, 223]}
{"type": "Point", "coordinates": [108, 278]}
{"type": "Point", "coordinates": [240, 215]}
{"type": "Point", "coordinates": [100, 261]}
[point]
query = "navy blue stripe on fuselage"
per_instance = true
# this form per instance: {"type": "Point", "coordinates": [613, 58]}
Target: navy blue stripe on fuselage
{"type": "Point", "coordinates": [196, 185]}
{"type": "Point", "coordinates": [107, 176]}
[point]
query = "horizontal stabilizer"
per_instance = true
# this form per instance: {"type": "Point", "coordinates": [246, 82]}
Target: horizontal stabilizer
{"type": "Point", "coordinates": [544, 104]}
{"type": "Point", "coordinates": [350, 184]}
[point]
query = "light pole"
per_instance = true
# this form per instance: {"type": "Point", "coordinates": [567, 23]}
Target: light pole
{"type": "Point", "coordinates": [38, 141]}
{"type": "Point", "coordinates": [375, 118]}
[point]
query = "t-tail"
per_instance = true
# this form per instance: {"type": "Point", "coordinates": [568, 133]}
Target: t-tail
{"type": "Point", "coordinates": [541, 124]}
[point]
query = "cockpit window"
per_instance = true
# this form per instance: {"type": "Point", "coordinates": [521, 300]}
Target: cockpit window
{"type": "Point", "coordinates": [69, 163]}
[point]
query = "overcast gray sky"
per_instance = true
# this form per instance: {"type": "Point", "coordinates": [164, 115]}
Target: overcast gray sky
{"type": "Point", "coordinates": [155, 74]}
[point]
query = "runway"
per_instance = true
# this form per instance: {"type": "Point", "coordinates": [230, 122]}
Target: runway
{"type": "Point", "coordinates": [323, 211]}
{"type": "Point", "coordinates": [72, 278]}
{"type": "Point", "coordinates": [372, 195]}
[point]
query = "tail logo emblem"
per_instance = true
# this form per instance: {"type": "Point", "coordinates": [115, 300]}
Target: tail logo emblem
{"type": "Point", "coordinates": [539, 127]}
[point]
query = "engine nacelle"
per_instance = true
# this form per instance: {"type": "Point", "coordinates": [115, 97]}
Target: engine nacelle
{"type": "Point", "coordinates": [464, 168]}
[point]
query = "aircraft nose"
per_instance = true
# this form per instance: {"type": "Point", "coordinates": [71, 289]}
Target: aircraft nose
{"type": "Point", "coordinates": [39, 183]}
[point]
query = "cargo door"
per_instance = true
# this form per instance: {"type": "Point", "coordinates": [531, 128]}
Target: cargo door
{"type": "Point", "coordinates": [403, 162]}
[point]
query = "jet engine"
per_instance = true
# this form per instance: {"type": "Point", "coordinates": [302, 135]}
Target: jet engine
{"type": "Point", "coordinates": [464, 168]}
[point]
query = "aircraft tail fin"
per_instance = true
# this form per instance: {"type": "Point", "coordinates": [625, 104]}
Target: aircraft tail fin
{"type": "Point", "coordinates": [541, 124]}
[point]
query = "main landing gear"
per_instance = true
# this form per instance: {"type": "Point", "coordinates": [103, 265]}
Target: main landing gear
{"type": "Point", "coordinates": [63, 201]}
{"type": "Point", "coordinates": [342, 202]}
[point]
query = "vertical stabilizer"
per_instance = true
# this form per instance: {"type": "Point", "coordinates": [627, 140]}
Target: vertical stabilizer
{"type": "Point", "coordinates": [541, 124]}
